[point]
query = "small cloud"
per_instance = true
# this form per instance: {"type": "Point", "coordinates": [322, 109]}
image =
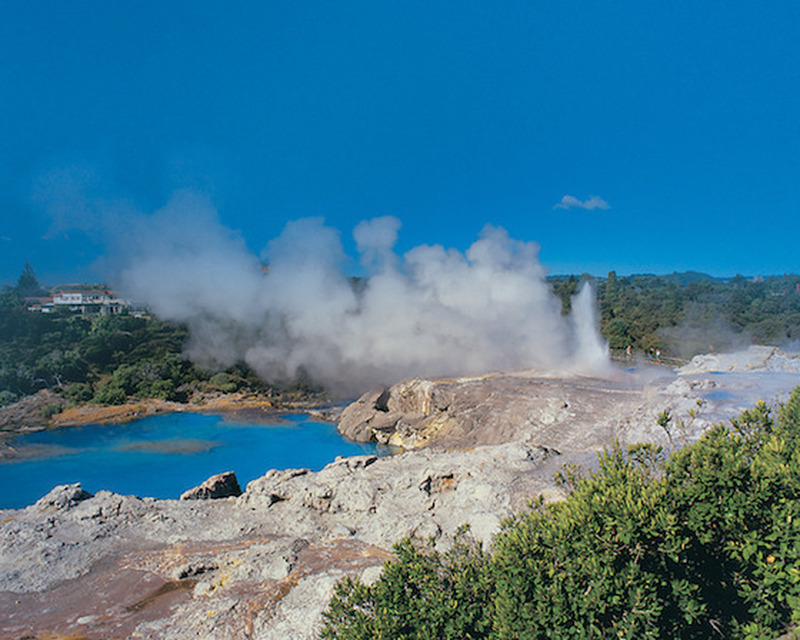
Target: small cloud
{"type": "Point", "coordinates": [571, 202]}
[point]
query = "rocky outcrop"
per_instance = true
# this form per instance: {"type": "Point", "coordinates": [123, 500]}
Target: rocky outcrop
{"type": "Point", "coordinates": [222, 485]}
{"type": "Point", "coordinates": [265, 563]}
{"type": "Point", "coordinates": [418, 494]}
{"type": "Point", "coordinates": [755, 358]}
{"type": "Point", "coordinates": [64, 496]}
{"type": "Point", "coordinates": [562, 413]}
{"type": "Point", "coordinates": [409, 415]}
{"type": "Point", "coordinates": [30, 413]}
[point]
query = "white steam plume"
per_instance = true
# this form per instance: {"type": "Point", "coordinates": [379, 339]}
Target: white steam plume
{"type": "Point", "coordinates": [430, 312]}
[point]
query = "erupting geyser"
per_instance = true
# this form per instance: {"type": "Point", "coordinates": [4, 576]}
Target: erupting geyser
{"type": "Point", "coordinates": [430, 312]}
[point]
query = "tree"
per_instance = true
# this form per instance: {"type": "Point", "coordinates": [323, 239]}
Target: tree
{"type": "Point", "coordinates": [28, 285]}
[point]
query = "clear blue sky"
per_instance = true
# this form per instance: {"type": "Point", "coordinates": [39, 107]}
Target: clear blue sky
{"type": "Point", "coordinates": [668, 132]}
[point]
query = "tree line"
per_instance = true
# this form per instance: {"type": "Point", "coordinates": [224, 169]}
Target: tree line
{"type": "Point", "coordinates": [684, 314]}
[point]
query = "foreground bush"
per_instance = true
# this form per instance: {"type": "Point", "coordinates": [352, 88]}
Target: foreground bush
{"type": "Point", "coordinates": [703, 545]}
{"type": "Point", "coordinates": [422, 594]}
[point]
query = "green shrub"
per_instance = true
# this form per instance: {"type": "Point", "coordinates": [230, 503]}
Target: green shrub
{"type": "Point", "coordinates": [737, 494]}
{"type": "Point", "coordinates": [110, 392]}
{"type": "Point", "coordinates": [7, 397]}
{"type": "Point", "coordinates": [601, 564]}
{"type": "Point", "coordinates": [224, 382]}
{"type": "Point", "coordinates": [422, 594]}
{"type": "Point", "coordinates": [78, 392]}
{"type": "Point", "coordinates": [51, 409]}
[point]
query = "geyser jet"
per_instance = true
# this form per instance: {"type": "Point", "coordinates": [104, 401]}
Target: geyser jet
{"type": "Point", "coordinates": [430, 312]}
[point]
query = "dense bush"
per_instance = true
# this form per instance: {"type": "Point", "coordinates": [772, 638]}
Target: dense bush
{"type": "Point", "coordinates": [78, 392]}
{"type": "Point", "coordinates": [705, 544]}
{"type": "Point", "coordinates": [423, 594]}
{"type": "Point", "coordinates": [105, 359]}
{"type": "Point", "coordinates": [224, 382]}
{"type": "Point", "coordinates": [7, 397]}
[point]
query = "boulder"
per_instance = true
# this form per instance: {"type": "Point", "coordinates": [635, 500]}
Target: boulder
{"type": "Point", "coordinates": [222, 485]}
{"type": "Point", "coordinates": [64, 496]}
{"type": "Point", "coordinates": [360, 419]}
{"type": "Point", "coordinates": [407, 415]}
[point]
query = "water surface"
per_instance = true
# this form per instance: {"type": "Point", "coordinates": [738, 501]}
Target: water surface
{"type": "Point", "coordinates": [164, 455]}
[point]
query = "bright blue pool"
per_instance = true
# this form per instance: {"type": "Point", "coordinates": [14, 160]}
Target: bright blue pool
{"type": "Point", "coordinates": [164, 455]}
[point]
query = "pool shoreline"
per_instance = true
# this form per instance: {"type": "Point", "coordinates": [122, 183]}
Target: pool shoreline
{"type": "Point", "coordinates": [255, 406]}
{"type": "Point", "coordinates": [165, 454]}
{"type": "Point", "coordinates": [32, 412]}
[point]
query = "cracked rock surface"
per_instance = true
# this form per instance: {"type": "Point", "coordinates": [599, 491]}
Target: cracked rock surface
{"type": "Point", "coordinates": [263, 564]}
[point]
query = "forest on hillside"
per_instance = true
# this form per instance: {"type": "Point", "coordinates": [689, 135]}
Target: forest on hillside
{"type": "Point", "coordinates": [108, 359]}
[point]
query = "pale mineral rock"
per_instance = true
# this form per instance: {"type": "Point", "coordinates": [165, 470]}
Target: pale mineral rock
{"type": "Point", "coordinates": [263, 565]}
{"type": "Point", "coordinates": [222, 485]}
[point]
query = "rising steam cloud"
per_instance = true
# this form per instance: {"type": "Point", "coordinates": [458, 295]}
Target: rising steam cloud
{"type": "Point", "coordinates": [430, 312]}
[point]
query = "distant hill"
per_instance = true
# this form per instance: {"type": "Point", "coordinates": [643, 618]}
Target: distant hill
{"type": "Point", "coordinates": [689, 277]}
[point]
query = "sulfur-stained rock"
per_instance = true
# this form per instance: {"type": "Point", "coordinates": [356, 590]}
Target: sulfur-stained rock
{"type": "Point", "coordinates": [362, 418]}
{"type": "Point", "coordinates": [493, 409]}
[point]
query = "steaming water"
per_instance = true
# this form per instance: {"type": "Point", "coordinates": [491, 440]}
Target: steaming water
{"type": "Point", "coordinates": [162, 456]}
{"type": "Point", "coordinates": [432, 311]}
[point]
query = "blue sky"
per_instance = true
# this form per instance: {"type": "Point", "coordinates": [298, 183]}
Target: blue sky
{"type": "Point", "coordinates": [627, 135]}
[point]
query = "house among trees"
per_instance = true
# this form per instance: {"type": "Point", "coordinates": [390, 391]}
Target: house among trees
{"type": "Point", "coordinates": [85, 299]}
